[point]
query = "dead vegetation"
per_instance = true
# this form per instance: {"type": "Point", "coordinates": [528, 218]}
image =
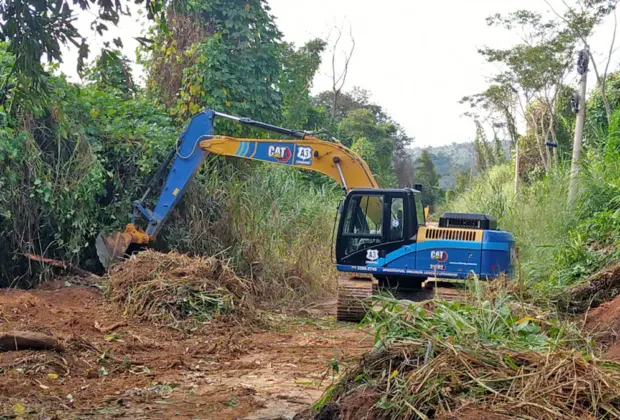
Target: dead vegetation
{"type": "Point", "coordinates": [22, 340]}
{"type": "Point", "coordinates": [427, 378]}
{"type": "Point", "coordinates": [173, 289]}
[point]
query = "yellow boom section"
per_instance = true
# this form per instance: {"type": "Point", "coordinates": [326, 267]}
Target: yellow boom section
{"type": "Point", "coordinates": [329, 158]}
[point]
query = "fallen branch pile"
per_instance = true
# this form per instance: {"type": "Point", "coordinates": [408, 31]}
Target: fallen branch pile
{"type": "Point", "coordinates": [523, 384]}
{"type": "Point", "coordinates": [168, 288]}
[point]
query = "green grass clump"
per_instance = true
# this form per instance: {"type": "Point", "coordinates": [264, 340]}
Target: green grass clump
{"type": "Point", "coordinates": [490, 352]}
{"type": "Point", "coordinates": [488, 315]}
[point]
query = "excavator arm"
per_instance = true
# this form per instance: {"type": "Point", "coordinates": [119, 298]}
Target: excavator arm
{"type": "Point", "coordinates": [198, 140]}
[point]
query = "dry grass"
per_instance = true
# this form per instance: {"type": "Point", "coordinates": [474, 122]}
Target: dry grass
{"type": "Point", "coordinates": [425, 378]}
{"type": "Point", "coordinates": [170, 288]}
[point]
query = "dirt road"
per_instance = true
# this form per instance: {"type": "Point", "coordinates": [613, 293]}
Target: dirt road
{"type": "Point", "coordinates": [224, 370]}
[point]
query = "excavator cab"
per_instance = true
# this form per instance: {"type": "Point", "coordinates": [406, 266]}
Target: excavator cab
{"type": "Point", "coordinates": [375, 222]}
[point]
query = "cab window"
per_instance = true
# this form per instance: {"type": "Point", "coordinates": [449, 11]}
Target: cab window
{"type": "Point", "coordinates": [396, 219]}
{"type": "Point", "coordinates": [364, 216]}
{"type": "Point", "coordinates": [363, 223]}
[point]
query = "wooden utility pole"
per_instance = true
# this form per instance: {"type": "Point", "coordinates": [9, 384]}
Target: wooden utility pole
{"type": "Point", "coordinates": [582, 69]}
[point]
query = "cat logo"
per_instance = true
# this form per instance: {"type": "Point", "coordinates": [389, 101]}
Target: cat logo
{"type": "Point", "coordinates": [440, 256]}
{"type": "Point", "coordinates": [372, 255]}
{"type": "Point", "coordinates": [281, 153]}
{"type": "Point", "coordinates": [303, 156]}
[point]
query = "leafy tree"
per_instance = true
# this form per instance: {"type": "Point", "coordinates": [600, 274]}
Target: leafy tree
{"type": "Point", "coordinates": [403, 168]}
{"type": "Point", "coordinates": [462, 180]}
{"type": "Point", "coordinates": [361, 123]}
{"type": "Point", "coordinates": [498, 151]}
{"type": "Point", "coordinates": [357, 117]}
{"type": "Point", "coordinates": [36, 30]}
{"type": "Point", "coordinates": [111, 69]}
{"type": "Point", "coordinates": [427, 176]}
{"type": "Point", "coordinates": [535, 68]}
{"type": "Point", "coordinates": [235, 66]}
{"type": "Point", "coordinates": [298, 70]}
{"type": "Point", "coordinates": [499, 102]}
{"type": "Point", "coordinates": [366, 150]}
{"type": "Point", "coordinates": [483, 154]}
{"type": "Point", "coordinates": [357, 98]}
{"type": "Point", "coordinates": [580, 21]}
{"type": "Point", "coordinates": [596, 114]}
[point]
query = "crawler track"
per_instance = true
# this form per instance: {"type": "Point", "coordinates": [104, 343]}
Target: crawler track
{"type": "Point", "coordinates": [352, 291]}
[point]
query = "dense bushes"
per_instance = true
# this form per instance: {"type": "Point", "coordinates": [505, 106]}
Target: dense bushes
{"type": "Point", "coordinates": [72, 168]}
{"type": "Point", "coordinates": [76, 168]}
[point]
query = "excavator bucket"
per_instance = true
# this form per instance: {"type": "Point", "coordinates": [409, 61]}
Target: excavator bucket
{"type": "Point", "coordinates": [112, 248]}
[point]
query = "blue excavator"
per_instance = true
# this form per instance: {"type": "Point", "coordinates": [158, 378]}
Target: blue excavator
{"type": "Point", "coordinates": [381, 238]}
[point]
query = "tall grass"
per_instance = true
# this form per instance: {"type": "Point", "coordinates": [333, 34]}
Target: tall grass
{"type": "Point", "coordinates": [274, 226]}
{"type": "Point", "coordinates": [558, 246]}
{"type": "Point", "coordinates": [537, 216]}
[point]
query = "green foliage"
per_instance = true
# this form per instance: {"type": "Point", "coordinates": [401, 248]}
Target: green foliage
{"type": "Point", "coordinates": [538, 216]}
{"type": "Point", "coordinates": [111, 69]}
{"type": "Point", "coordinates": [500, 321]}
{"type": "Point", "coordinates": [426, 175]}
{"type": "Point", "coordinates": [374, 140]}
{"type": "Point", "coordinates": [299, 68]}
{"type": "Point", "coordinates": [275, 225]}
{"type": "Point", "coordinates": [357, 98]}
{"type": "Point", "coordinates": [485, 158]}
{"type": "Point", "coordinates": [37, 30]}
{"type": "Point", "coordinates": [74, 169]}
{"type": "Point", "coordinates": [557, 248]}
{"type": "Point", "coordinates": [596, 117]}
{"type": "Point", "coordinates": [235, 67]}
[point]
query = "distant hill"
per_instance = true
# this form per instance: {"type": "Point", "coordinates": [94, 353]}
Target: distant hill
{"type": "Point", "coordinates": [448, 159]}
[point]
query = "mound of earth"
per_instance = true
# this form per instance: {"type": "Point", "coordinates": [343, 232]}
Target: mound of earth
{"type": "Point", "coordinates": [115, 366]}
{"type": "Point", "coordinates": [604, 321]}
{"type": "Point", "coordinates": [599, 288]}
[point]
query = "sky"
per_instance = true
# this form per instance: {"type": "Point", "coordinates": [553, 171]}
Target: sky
{"type": "Point", "coordinates": [417, 59]}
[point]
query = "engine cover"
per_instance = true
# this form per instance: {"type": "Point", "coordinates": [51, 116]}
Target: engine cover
{"type": "Point", "coordinates": [468, 221]}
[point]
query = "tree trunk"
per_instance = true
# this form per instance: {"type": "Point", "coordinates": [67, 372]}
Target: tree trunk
{"type": "Point", "coordinates": [334, 103]}
{"type": "Point", "coordinates": [24, 340]}
{"type": "Point", "coordinates": [581, 116]}
{"type": "Point", "coordinates": [555, 149]}
{"type": "Point", "coordinates": [538, 143]}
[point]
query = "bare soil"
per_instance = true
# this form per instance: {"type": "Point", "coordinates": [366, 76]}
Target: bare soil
{"type": "Point", "coordinates": [604, 321]}
{"type": "Point", "coordinates": [225, 370]}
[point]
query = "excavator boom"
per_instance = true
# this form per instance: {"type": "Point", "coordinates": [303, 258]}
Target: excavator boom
{"type": "Point", "coordinates": [303, 151]}
{"type": "Point", "coordinates": [329, 158]}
